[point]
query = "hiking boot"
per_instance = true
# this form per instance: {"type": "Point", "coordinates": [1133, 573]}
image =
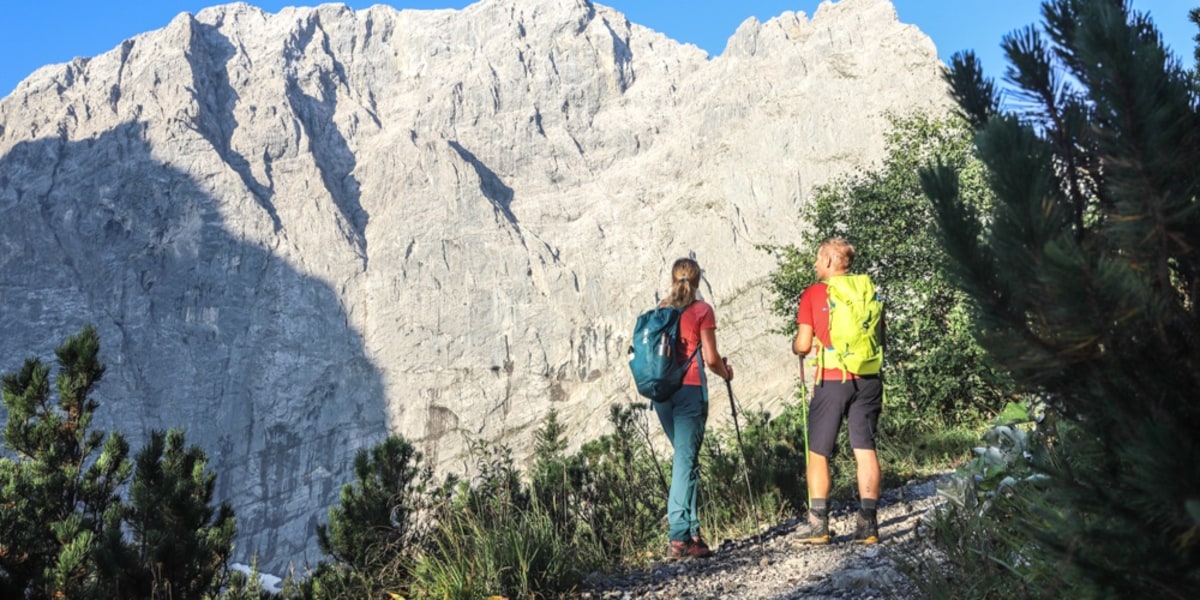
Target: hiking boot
{"type": "Point", "coordinates": [687, 549]}
{"type": "Point", "coordinates": [699, 548]}
{"type": "Point", "coordinates": [866, 530]}
{"type": "Point", "coordinates": [815, 530]}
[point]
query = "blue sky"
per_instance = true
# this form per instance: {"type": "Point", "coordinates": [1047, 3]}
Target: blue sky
{"type": "Point", "coordinates": [40, 32]}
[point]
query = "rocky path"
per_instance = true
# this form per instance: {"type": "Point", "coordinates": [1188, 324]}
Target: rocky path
{"type": "Point", "coordinates": [775, 569]}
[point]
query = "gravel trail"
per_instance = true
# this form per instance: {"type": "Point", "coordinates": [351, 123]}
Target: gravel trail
{"type": "Point", "coordinates": [777, 569]}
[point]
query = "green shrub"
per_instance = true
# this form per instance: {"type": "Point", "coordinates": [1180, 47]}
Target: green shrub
{"type": "Point", "coordinates": [739, 493]}
{"type": "Point", "coordinates": [497, 549]}
{"type": "Point", "coordinates": [495, 537]}
{"type": "Point", "coordinates": [980, 533]}
{"type": "Point", "coordinates": [620, 487]}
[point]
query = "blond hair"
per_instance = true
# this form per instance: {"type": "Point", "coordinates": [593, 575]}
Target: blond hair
{"type": "Point", "coordinates": [839, 252]}
{"type": "Point", "coordinates": [685, 281]}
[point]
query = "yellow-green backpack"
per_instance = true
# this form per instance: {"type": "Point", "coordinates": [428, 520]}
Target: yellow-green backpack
{"type": "Point", "coordinates": [855, 315]}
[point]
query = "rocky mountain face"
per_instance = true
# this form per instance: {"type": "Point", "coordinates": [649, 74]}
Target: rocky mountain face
{"type": "Point", "coordinates": [298, 232]}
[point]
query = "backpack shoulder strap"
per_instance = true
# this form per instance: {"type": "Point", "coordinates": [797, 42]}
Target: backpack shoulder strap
{"type": "Point", "coordinates": [699, 341]}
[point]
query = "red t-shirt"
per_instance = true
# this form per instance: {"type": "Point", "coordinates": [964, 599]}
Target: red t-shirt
{"type": "Point", "coordinates": [814, 311]}
{"type": "Point", "coordinates": [695, 318]}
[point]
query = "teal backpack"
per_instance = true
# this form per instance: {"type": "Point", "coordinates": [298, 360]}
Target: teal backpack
{"type": "Point", "coordinates": [657, 371]}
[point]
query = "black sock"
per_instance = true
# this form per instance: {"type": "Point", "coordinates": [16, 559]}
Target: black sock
{"type": "Point", "coordinates": [818, 508]}
{"type": "Point", "coordinates": [868, 507]}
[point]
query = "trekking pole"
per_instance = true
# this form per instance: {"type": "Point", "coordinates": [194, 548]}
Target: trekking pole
{"type": "Point", "coordinates": [758, 535]}
{"type": "Point", "coordinates": [804, 400]}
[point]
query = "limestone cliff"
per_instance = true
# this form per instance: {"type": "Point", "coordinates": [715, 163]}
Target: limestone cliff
{"type": "Point", "coordinates": [297, 232]}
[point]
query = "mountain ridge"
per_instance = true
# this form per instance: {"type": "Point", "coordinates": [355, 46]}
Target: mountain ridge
{"type": "Point", "coordinates": [298, 232]}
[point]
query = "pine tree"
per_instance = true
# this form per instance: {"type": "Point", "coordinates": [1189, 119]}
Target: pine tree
{"type": "Point", "coordinates": [56, 490]}
{"type": "Point", "coordinates": [551, 480]}
{"type": "Point", "coordinates": [182, 543]}
{"type": "Point", "coordinates": [1086, 275]}
{"type": "Point", "coordinates": [1194, 16]}
{"type": "Point", "coordinates": [63, 523]}
{"type": "Point", "coordinates": [373, 528]}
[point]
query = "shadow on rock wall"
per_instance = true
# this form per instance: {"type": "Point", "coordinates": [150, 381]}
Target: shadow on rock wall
{"type": "Point", "coordinates": [199, 329]}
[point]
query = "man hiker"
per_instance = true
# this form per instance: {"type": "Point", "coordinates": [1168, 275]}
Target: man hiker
{"type": "Point", "coordinates": [841, 318]}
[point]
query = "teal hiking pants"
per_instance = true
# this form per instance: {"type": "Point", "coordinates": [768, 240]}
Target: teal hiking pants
{"type": "Point", "coordinates": [683, 417]}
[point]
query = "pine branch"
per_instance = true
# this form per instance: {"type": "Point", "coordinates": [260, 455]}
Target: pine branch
{"type": "Point", "coordinates": [976, 96]}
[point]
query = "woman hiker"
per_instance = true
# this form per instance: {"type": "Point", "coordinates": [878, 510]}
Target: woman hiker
{"type": "Point", "coordinates": [683, 415]}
